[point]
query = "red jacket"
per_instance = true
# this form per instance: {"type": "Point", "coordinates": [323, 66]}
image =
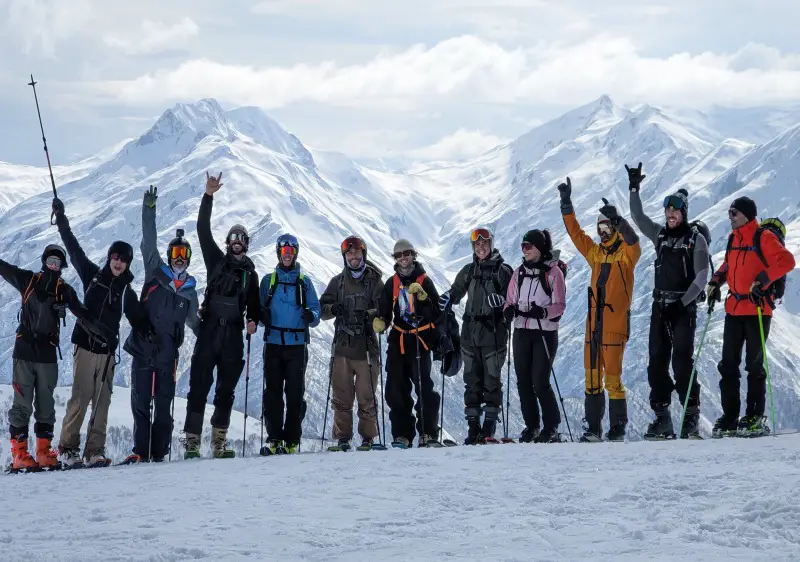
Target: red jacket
{"type": "Point", "coordinates": [742, 267]}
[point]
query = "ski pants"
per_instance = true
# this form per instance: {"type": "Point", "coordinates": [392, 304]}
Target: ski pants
{"type": "Point", "coordinates": [284, 372]}
{"type": "Point", "coordinates": [404, 370]}
{"type": "Point", "coordinates": [34, 385]}
{"type": "Point", "coordinates": [743, 332]}
{"type": "Point", "coordinates": [672, 338]}
{"type": "Point", "coordinates": [354, 379]}
{"type": "Point", "coordinates": [157, 385]}
{"type": "Point", "coordinates": [603, 363]}
{"type": "Point", "coordinates": [220, 347]}
{"type": "Point", "coordinates": [483, 384]}
{"type": "Point", "coordinates": [88, 369]}
{"type": "Point", "coordinates": [532, 366]}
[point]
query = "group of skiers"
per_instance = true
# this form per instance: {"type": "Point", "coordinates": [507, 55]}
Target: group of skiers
{"type": "Point", "coordinates": [527, 301]}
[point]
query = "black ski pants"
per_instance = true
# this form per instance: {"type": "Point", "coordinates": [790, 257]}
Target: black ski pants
{"type": "Point", "coordinates": [672, 339]}
{"type": "Point", "coordinates": [483, 366]}
{"type": "Point", "coordinates": [743, 332]}
{"type": "Point", "coordinates": [221, 348]}
{"type": "Point", "coordinates": [532, 365]}
{"type": "Point", "coordinates": [404, 371]}
{"type": "Point", "coordinates": [284, 372]}
{"type": "Point", "coordinates": [143, 379]}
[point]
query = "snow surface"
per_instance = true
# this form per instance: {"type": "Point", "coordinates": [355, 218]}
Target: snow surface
{"type": "Point", "coordinates": [624, 502]}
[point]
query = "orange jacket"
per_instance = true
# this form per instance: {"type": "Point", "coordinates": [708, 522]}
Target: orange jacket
{"type": "Point", "coordinates": [615, 261]}
{"type": "Point", "coordinates": [742, 267]}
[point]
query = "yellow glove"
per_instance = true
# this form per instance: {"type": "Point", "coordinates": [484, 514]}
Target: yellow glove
{"type": "Point", "coordinates": [416, 289]}
{"type": "Point", "coordinates": [378, 325]}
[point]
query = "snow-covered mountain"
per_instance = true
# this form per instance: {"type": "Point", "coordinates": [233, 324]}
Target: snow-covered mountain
{"type": "Point", "coordinates": [274, 184]}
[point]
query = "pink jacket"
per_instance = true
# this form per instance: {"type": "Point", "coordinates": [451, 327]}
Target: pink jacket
{"type": "Point", "coordinates": [531, 292]}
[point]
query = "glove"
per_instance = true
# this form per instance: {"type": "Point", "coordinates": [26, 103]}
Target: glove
{"type": "Point", "coordinates": [610, 211]}
{"type": "Point", "coordinates": [416, 289]}
{"type": "Point", "coordinates": [536, 312]}
{"type": "Point", "coordinates": [150, 197]}
{"type": "Point", "coordinates": [494, 300]}
{"type": "Point", "coordinates": [266, 318]}
{"type": "Point", "coordinates": [58, 207]}
{"type": "Point", "coordinates": [757, 291]}
{"type": "Point", "coordinates": [714, 293]}
{"type": "Point", "coordinates": [509, 314]}
{"type": "Point", "coordinates": [378, 325]}
{"type": "Point", "coordinates": [635, 177]}
{"type": "Point", "coordinates": [444, 300]}
{"type": "Point", "coordinates": [337, 309]}
{"type": "Point", "coordinates": [308, 316]}
{"type": "Point", "coordinates": [565, 190]}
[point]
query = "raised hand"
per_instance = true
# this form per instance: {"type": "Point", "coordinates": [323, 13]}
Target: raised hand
{"type": "Point", "coordinates": [213, 184]}
{"type": "Point", "coordinates": [610, 211]}
{"type": "Point", "coordinates": [58, 206]}
{"type": "Point", "coordinates": [150, 197]}
{"type": "Point", "coordinates": [635, 177]}
{"type": "Point", "coordinates": [565, 190]}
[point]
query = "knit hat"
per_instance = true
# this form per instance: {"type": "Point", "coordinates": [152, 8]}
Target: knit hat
{"type": "Point", "coordinates": [123, 249]}
{"type": "Point", "coordinates": [679, 200]}
{"type": "Point", "coordinates": [602, 218]}
{"type": "Point", "coordinates": [746, 206]}
{"type": "Point", "coordinates": [540, 239]}
{"type": "Point", "coordinates": [402, 245]}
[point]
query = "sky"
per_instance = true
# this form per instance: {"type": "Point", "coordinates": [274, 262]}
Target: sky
{"type": "Point", "coordinates": [442, 79]}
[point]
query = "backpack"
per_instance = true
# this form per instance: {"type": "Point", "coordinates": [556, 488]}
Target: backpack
{"type": "Point", "coordinates": [688, 244]}
{"type": "Point", "coordinates": [299, 293]}
{"type": "Point", "coordinates": [43, 324]}
{"type": "Point", "coordinates": [775, 225]}
{"type": "Point", "coordinates": [543, 283]}
{"type": "Point", "coordinates": [397, 287]}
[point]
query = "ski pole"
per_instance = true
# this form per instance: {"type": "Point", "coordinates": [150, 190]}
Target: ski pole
{"type": "Point", "coordinates": [32, 84]}
{"type": "Point", "coordinates": [441, 413]}
{"type": "Point", "coordinates": [246, 388]}
{"type": "Point", "coordinates": [172, 412]}
{"type": "Point", "coordinates": [421, 394]}
{"type": "Point", "coordinates": [262, 451]}
{"type": "Point", "coordinates": [383, 390]}
{"type": "Point", "coordinates": [508, 383]}
{"type": "Point", "coordinates": [555, 379]}
{"type": "Point", "coordinates": [152, 400]}
{"type": "Point", "coordinates": [694, 367]}
{"type": "Point", "coordinates": [766, 368]}
{"type": "Point", "coordinates": [328, 400]}
{"type": "Point", "coordinates": [374, 399]}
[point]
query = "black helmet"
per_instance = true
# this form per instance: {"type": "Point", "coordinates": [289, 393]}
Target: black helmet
{"type": "Point", "coordinates": [57, 251]}
{"type": "Point", "coordinates": [450, 345]}
{"type": "Point", "coordinates": [179, 242]}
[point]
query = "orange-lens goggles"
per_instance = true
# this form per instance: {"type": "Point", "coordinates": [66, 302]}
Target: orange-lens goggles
{"type": "Point", "coordinates": [353, 242]}
{"type": "Point", "coordinates": [480, 233]}
{"type": "Point", "coordinates": [288, 250]}
{"type": "Point", "coordinates": [180, 252]}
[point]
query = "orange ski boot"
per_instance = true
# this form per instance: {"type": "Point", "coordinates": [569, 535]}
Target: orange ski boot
{"type": "Point", "coordinates": [46, 457]}
{"type": "Point", "coordinates": [22, 461]}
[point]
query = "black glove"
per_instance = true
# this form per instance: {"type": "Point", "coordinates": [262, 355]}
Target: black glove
{"type": "Point", "coordinates": [509, 314]}
{"type": "Point", "coordinates": [758, 291]}
{"type": "Point", "coordinates": [266, 318]}
{"type": "Point", "coordinates": [536, 312]}
{"type": "Point", "coordinates": [337, 309]}
{"type": "Point", "coordinates": [150, 197]}
{"type": "Point", "coordinates": [714, 293]}
{"type": "Point", "coordinates": [565, 190]}
{"type": "Point", "coordinates": [58, 207]}
{"type": "Point", "coordinates": [635, 177]}
{"type": "Point", "coordinates": [308, 316]}
{"type": "Point", "coordinates": [610, 211]}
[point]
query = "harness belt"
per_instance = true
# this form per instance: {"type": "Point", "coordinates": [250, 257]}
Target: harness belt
{"type": "Point", "coordinates": [415, 332]}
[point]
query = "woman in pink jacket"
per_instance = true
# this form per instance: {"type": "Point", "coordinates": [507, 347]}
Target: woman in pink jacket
{"type": "Point", "coordinates": [535, 301]}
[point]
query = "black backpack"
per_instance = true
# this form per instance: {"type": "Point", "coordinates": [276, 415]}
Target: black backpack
{"type": "Point", "coordinates": [542, 277]}
{"type": "Point", "coordinates": [688, 244]}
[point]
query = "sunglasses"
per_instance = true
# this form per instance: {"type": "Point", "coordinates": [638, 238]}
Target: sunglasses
{"type": "Point", "coordinates": [353, 242]}
{"type": "Point", "coordinates": [526, 246]}
{"type": "Point", "coordinates": [732, 213]}
{"type": "Point", "coordinates": [480, 233]}
{"type": "Point", "coordinates": [403, 254]}
{"type": "Point", "coordinates": [288, 251]}
{"type": "Point", "coordinates": [673, 201]}
{"type": "Point", "coordinates": [119, 257]}
{"type": "Point", "coordinates": [53, 261]}
{"type": "Point", "coordinates": [180, 252]}
{"type": "Point", "coordinates": [240, 237]}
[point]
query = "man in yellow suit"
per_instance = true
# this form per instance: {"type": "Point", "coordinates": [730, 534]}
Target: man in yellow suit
{"type": "Point", "coordinates": [608, 319]}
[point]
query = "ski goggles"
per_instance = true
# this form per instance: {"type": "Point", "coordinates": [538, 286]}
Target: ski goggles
{"type": "Point", "coordinates": [673, 201]}
{"type": "Point", "coordinates": [353, 242]}
{"type": "Point", "coordinates": [480, 233]}
{"type": "Point", "coordinates": [180, 252]}
{"type": "Point", "coordinates": [403, 254]}
{"type": "Point", "coordinates": [288, 250]}
{"type": "Point", "coordinates": [604, 228]}
{"type": "Point", "coordinates": [53, 261]}
{"type": "Point", "coordinates": [119, 257]}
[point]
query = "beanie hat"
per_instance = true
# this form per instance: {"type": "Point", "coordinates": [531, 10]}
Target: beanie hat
{"type": "Point", "coordinates": [746, 206]}
{"type": "Point", "coordinates": [124, 250]}
{"type": "Point", "coordinates": [602, 218]}
{"type": "Point", "coordinates": [57, 251]}
{"type": "Point", "coordinates": [403, 245]}
{"type": "Point", "coordinates": [540, 239]}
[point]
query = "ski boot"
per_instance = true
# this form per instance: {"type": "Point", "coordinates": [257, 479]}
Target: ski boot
{"type": "Point", "coordinates": [753, 426]}
{"type": "Point", "coordinates": [21, 459]}
{"type": "Point", "coordinates": [548, 435]}
{"type": "Point", "coordinates": [97, 460]}
{"type": "Point", "coordinates": [133, 458]}
{"type": "Point", "coordinates": [474, 431]}
{"type": "Point", "coordinates": [343, 445]}
{"type": "Point", "coordinates": [429, 441]}
{"type": "Point", "coordinates": [616, 433]}
{"type": "Point", "coordinates": [691, 424]}
{"type": "Point", "coordinates": [191, 444]}
{"type": "Point", "coordinates": [725, 426]}
{"type": "Point", "coordinates": [529, 435]}
{"type": "Point", "coordinates": [290, 448]}
{"type": "Point", "coordinates": [219, 444]}
{"type": "Point", "coordinates": [618, 419]}
{"type": "Point", "coordinates": [366, 445]}
{"type": "Point", "coordinates": [401, 443]}
{"type": "Point", "coordinates": [594, 406]}
{"type": "Point", "coordinates": [661, 428]}
{"type": "Point", "coordinates": [487, 431]}
{"type": "Point", "coordinates": [46, 457]}
{"type": "Point", "coordinates": [70, 459]}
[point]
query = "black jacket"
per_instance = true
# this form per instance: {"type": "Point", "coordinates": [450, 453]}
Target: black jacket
{"type": "Point", "coordinates": [107, 297]}
{"type": "Point", "coordinates": [39, 330]}
{"type": "Point", "coordinates": [427, 311]}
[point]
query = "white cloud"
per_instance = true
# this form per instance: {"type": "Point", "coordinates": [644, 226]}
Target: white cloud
{"type": "Point", "coordinates": [153, 37]}
{"type": "Point", "coordinates": [38, 25]}
{"type": "Point", "coordinates": [460, 145]}
{"type": "Point", "coordinates": [471, 69]}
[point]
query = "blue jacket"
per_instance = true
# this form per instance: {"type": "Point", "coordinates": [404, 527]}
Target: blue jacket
{"type": "Point", "coordinates": [288, 327]}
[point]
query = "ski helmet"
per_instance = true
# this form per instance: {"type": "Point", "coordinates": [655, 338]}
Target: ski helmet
{"type": "Point", "coordinates": [287, 241]}
{"type": "Point", "coordinates": [482, 232]}
{"type": "Point", "coordinates": [174, 249]}
{"type": "Point", "coordinates": [122, 249]}
{"type": "Point", "coordinates": [57, 251]}
{"type": "Point", "coordinates": [353, 241]}
{"type": "Point", "coordinates": [239, 233]}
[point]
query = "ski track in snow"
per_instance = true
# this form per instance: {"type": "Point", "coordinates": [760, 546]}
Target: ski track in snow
{"type": "Point", "coordinates": [610, 501]}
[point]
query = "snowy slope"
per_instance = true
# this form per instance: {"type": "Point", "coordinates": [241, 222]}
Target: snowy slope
{"type": "Point", "coordinates": [541, 502]}
{"type": "Point", "coordinates": [274, 184]}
